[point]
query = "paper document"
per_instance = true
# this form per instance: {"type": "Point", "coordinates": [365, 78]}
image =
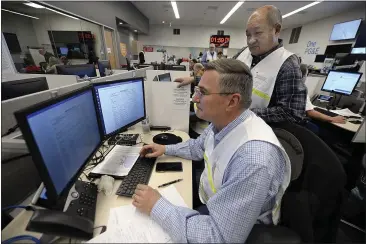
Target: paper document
{"type": "Point", "coordinates": [126, 224]}
{"type": "Point", "coordinates": [345, 112]}
{"type": "Point", "coordinates": [119, 161]}
{"type": "Point", "coordinates": [180, 98]}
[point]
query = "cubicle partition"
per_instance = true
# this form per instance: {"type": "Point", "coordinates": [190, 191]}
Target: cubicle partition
{"type": "Point", "coordinates": [53, 81]}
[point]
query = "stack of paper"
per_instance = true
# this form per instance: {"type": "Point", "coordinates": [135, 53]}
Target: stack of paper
{"type": "Point", "coordinates": [128, 225]}
{"type": "Point", "coordinates": [345, 112]}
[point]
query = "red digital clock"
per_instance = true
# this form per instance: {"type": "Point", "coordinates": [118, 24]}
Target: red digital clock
{"type": "Point", "coordinates": [220, 40]}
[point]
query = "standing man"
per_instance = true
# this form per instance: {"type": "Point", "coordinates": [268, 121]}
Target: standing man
{"type": "Point", "coordinates": [45, 54]}
{"type": "Point", "coordinates": [210, 55]}
{"type": "Point", "coordinates": [279, 94]}
{"type": "Point", "coordinates": [246, 173]}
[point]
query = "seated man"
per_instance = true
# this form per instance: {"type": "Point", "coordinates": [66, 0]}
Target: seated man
{"type": "Point", "coordinates": [198, 70]}
{"type": "Point", "coordinates": [246, 168]}
{"type": "Point", "coordinates": [313, 114]}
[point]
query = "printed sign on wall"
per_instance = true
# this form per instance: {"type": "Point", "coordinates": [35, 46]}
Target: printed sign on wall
{"type": "Point", "coordinates": [123, 48]}
{"type": "Point", "coordinates": [311, 48]}
{"type": "Point", "coordinates": [148, 49]}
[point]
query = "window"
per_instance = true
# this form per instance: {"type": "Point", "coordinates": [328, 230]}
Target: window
{"type": "Point", "coordinates": [295, 34]}
{"type": "Point", "coordinates": [176, 31]}
{"type": "Point", "coordinates": [220, 32]}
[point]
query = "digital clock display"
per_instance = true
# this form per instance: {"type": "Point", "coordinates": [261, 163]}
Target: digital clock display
{"type": "Point", "coordinates": [220, 40]}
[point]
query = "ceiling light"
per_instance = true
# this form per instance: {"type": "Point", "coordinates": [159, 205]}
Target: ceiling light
{"type": "Point", "coordinates": [163, 22]}
{"type": "Point", "coordinates": [135, 30]}
{"type": "Point", "coordinates": [175, 9]}
{"type": "Point", "coordinates": [301, 9]}
{"type": "Point", "coordinates": [237, 5]}
{"type": "Point", "coordinates": [34, 5]}
{"type": "Point", "coordinates": [121, 23]}
{"type": "Point", "coordinates": [53, 10]}
{"type": "Point", "coordinates": [19, 13]}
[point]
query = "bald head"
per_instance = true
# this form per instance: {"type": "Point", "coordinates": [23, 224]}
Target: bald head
{"type": "Point", "coordinates": [263, 29]}
{"type": "Point", "coordinates": [270, 13]}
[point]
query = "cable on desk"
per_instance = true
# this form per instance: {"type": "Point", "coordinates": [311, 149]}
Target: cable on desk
{"type": "Point", "coordinates": [28, 208]}
{"type": "Point", "coordinates": [15, 158]}
{"type": "Point", "coordinates": [11, 130]}
{"type": "Point", "coordinates": [21, 238]}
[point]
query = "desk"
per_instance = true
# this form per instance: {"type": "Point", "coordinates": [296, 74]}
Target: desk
{"type": "Point", "coordinates": [104, 203]}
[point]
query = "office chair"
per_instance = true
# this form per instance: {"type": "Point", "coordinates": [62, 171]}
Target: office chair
{"type": "Point", "coordinates": [311, 205]}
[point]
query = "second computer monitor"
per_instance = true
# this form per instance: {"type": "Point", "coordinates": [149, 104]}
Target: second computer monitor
{"type": "Point", "coordinates": [341, 82]}
{"type": "Point", "coordinates": [102, 65]}
{"type": "Point", "coordinates": [120, 104]}
{"type": "Point", "coordinates": [164, 77]}
{"type": "Point", "coordinates": [80, 70]}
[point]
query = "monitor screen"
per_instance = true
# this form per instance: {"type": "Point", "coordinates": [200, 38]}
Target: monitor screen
{"type": "Point", "coordinates": [319, 58]}
{"type": "Point", "coordinates": [102, 65]}
{"type": "Point", "coordinates": [80, 70]}
{"type": "Point", "coordinates": [165, 77]}
{"type": "Point", "coordinates": [64, 50]}
{"type": "Point", "coordinates": [334, 49]}
{"type": "Point", "coordinates": [361, 38]}
{"type": "Point", "coordinates": [18, 88]}
{"type": "Point", "coordinates": [120, 104]}
{"type": "Point", "coordinates": [346, 30]}
{"type": "Point", "coordinates": [359, 50]}
{"type": "Point", "coordinates": [65, 133]}
{"type": "Point", "coordinates": [341, 82]}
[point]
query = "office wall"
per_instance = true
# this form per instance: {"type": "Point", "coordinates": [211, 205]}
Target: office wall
{"type": "Point", "coordinates": [319, 31]}
{"type": "Point", "coordinates": [126, 36]}
{"type": "Point", "coordinates": [190, 36]}
{"type": "Point", "coordinates": [23, 28]}
{"type": "Point", "coordinates": [105, 12]}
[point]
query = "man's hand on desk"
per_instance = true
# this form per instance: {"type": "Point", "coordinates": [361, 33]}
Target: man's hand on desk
{"type": "Point", "coordinates": [152, 150]}
{"type": "Point", "coordinates": [145, 198]}
{"type": "Point", "coordinates": [338, 119]}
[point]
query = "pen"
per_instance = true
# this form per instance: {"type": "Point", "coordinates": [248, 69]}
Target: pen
{"type": "Point", "coordinates": [169, 183]}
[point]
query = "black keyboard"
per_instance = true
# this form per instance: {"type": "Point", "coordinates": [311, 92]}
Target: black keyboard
{"type": "Point", "coordinates": [86, 202]}
{"type": "Point", "coordinates": [139, 174]}
{"type": "Point", "coordinates": [326, 112]}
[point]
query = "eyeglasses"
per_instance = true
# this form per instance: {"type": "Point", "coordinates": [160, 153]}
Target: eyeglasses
{"type": "Point", "coordinates": [200, 93]}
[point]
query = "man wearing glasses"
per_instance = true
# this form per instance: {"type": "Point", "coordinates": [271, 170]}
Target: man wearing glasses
{"type": "Point", "coordinates": [278, 91]}
{"type": "Point", "coordinates": [246, 168]}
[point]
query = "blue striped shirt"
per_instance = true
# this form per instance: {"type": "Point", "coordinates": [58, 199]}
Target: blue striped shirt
{"type": "Point", "coordinates": [250, 184]}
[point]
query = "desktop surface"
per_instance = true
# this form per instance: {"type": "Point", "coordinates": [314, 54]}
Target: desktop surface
{"type": "Point", "coordinates": [106, 202]}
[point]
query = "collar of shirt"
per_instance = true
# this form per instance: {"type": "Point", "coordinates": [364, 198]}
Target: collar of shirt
{"type": "Point", "coordinates": [257, 59]}
{"type": "Point", "coordinates": [221, 134]}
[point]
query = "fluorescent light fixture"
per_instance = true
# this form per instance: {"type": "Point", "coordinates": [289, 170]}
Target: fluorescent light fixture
{"type": "Point", "coordinates": [175, 9]}
{"type": "Point", "coordinates": [301, 9]}
{"type": "Point", "coordinates": [237, 5]}
{"type": "Point", "coordinates": [34, 5]}
{"type": "Point", "coordinates": [163, 22]}
{"type": "Point", "coordinates": [19, 14]}
{"type": "Point", "coordinates": [135, 30]}
{"type": "Point", "coordinates": [53, 10]}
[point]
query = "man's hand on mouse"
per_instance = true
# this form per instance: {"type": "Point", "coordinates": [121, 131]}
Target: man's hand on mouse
{"type": "Point", "coordinates": [152, 150]}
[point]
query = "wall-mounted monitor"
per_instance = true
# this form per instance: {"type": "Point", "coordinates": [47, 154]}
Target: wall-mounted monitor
{"type": "Point", "coordinates": [345, 31]}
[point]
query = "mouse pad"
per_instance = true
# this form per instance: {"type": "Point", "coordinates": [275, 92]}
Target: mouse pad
{"type": "Point", "coordinates": [167, 139]}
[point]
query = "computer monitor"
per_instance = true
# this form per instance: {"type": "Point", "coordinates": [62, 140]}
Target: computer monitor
{"type": "Point", "coordinates": [332, 50]}
{"type": "Point", "coordinates": [341, 82]}
{"type": "Point", "coordinates": [80, 70]}
{"type": "Point", "coordinates": [18, 88]}
{"type": "Point", "coordinates": [359, 50]}
{"type": "Point", "coordinates": [319, 58]}
{"type": "Point", "coordinates": [164, 77]}
{"type": "Point", "coordinates": [120, 104]}
{"type": "Point", "coordinates": [64, 50]}
{"type": "Point", "coordinates": [346, 30]}
{"type": "Point", "coordinates": [62, 134]}
{"type": "Point", "coordinates": [102, 65]}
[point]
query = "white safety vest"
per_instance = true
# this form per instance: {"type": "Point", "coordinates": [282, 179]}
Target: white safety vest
{"type": "Point", "coordinates": [217, 158]}
{"type": "Point", "coordinates": [264, 74]}
{"type": "Point", "coordinates": [209, 57]}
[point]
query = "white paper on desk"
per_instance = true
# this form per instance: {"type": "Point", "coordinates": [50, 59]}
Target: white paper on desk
{"type": "Point", "coordinates": [119, 161]}
{"type": "Point", "coordinates": [345, 112]}
{"type": "Point", "coordinates": [172, 195]}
